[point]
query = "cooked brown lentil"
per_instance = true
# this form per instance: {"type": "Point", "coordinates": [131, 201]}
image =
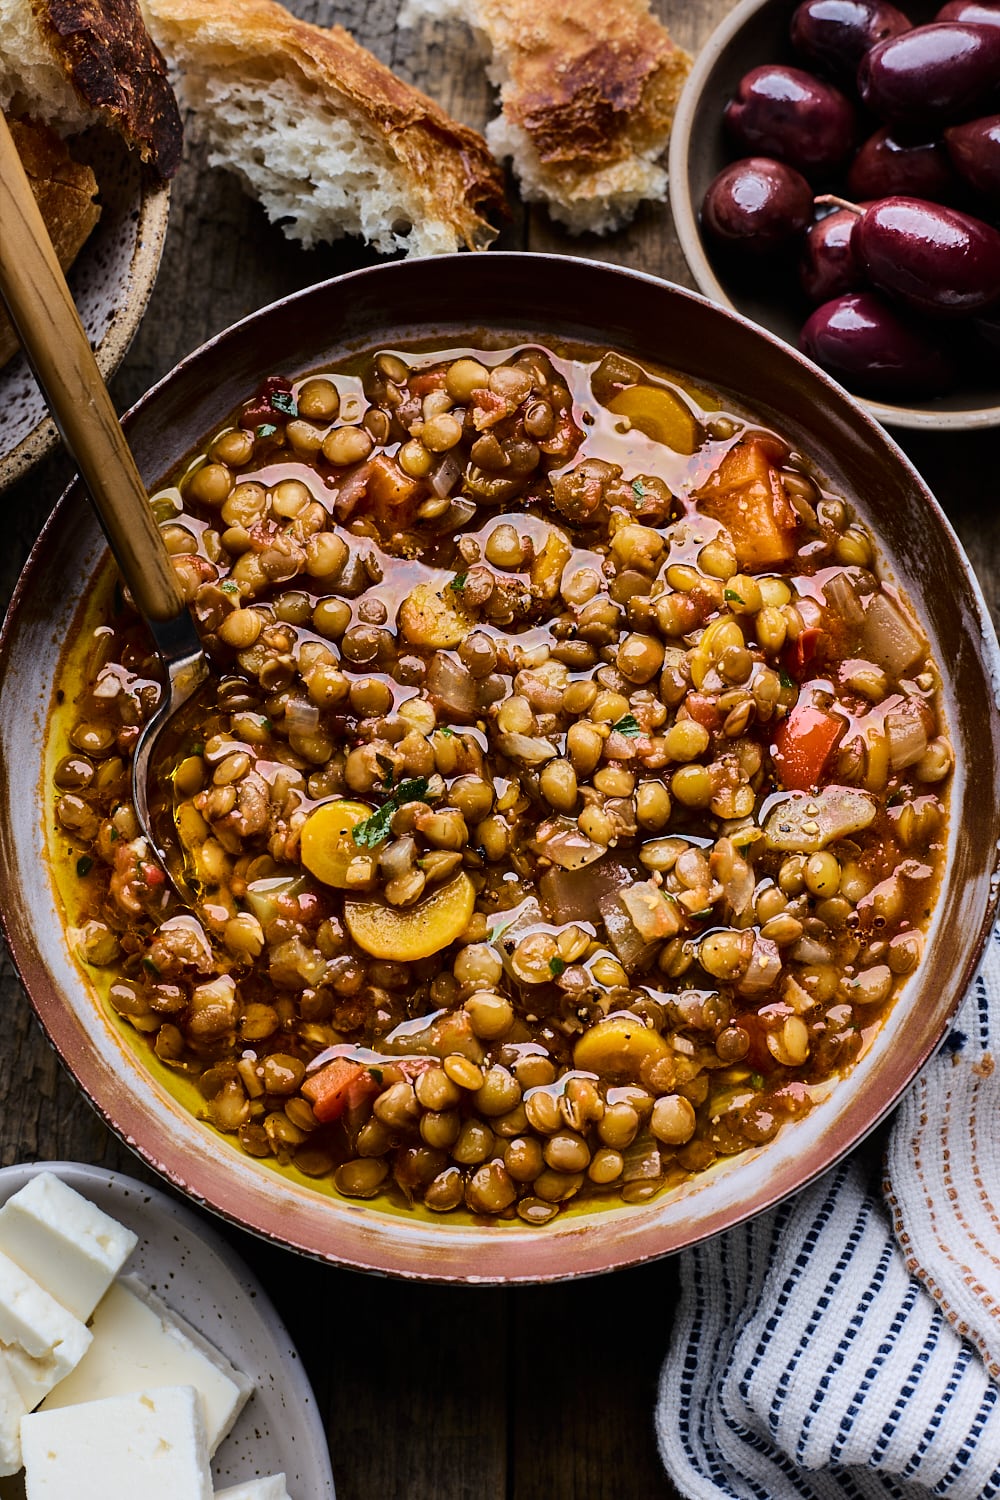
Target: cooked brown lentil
{"type": "Point", "coordinates": [566, 808]}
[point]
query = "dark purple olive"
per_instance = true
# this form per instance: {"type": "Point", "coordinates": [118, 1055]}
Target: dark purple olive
{"type": "Point", "coordinates": [758, 204]}
{"type": "Point", "coordinates": [788, 114]}
{"type": "Point", "coordinates": [972, 11]}
{"type": "Point", "coordinates": [933, 74]}
{"type": "Point", "coordinates": [975, 150]}
{"type": "Point", "coordinates": [885, 166]}
{"type": "Point", "coordinates": [936, 260]}
{"type": "Point", "coordinates": [836, 34]}
{"type": "Point", "coordinates": [829, 266]}
{"type": "Point", "coordinates": [866, 343]}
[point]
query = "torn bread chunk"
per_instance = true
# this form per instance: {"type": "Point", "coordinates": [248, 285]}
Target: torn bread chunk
{"type": "Point", "coordinates": [588, 90]}
{"type": "Point", "coordinates": [138, 1341]}
{"type": "Point", "coordinates": [64, 1242]}
{"type": "Point", "coordinates": [74, 63]}
{"type": "Point", "coordinates": [150, 1444]}
{"type": "Point", "coordinates": [39, 1339]}
{"type": "Point", "coordinates": [328, 139]}
{"type": "Point", "coordinates": [12, 1409]}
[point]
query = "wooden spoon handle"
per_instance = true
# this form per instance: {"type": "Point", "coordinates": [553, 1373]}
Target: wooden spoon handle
{"type": "Point", "coordinates": [48, 325]}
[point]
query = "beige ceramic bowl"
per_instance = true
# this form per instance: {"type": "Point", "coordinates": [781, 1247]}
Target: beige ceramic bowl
{"type": "Point", "coordinates": [522, 297]}
{"type": "Point", "coordinates": [111, 281]}
{"type": "Point", "coordinates": [756, 32]}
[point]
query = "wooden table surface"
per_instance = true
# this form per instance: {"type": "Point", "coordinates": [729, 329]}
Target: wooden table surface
{"type": "Point", "coordinates": [429, 1393]}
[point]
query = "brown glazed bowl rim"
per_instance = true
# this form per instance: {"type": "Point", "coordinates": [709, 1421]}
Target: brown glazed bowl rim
{"type": "Point", "coordinates": [701, 93]}
{"type": "Point", "coordinates": [560, 298]}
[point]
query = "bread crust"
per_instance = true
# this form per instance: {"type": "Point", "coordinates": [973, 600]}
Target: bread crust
{"type": "Point", "coordinates": [591, 81]}
{"type": "Point", "coordinates": [115, 67]}
{"type": "Point", "coordinates": [64, 190]}
{"type": "Point", "coordinates": [450, 165]}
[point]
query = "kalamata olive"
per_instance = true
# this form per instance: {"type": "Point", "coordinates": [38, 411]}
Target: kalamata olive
{"type": "Point", "coordinates": [862, 340]}
{"type": "Point", "coordinates": [975, 150]}
{"type": "Point", "coordinates": [836, 34]}
{"type": "Point", "coordinates": [788, 114]}
{"type": "Point", "coordinates": [935, 259]}
{"type": "Point", "coordinates": [828, 266]}
{"type": "Point", "coordinates": [946, 71]}
{"type": "Point", "coordinates": [973, 11]}
{"type": "Point", "coordinates": [758, 204]}
{"type": "Point", "coordinates": [886, 165]}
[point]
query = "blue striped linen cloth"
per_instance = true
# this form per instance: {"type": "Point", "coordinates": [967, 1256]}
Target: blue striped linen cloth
{"type": "Point", "coordinates": [846, 1345]}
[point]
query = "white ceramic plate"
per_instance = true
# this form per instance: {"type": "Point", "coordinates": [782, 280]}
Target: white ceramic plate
{"type": "Point", "coordinates": [197, 1274]}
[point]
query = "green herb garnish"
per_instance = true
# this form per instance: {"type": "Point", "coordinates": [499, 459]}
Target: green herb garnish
{"type": "Point", "coordinates": [638, 490]}
{"type": "Point", "coordinates": [150, 967]}
{"type": "Point", "coordinates": [285, 402]}
{"type": "Point", "coordinates": [556, 966]}
{"type": "Point", "coordinates": [458, 582]}
{"type": "Point", "coordinates": [446, 731]}
{"type": "Point", "coordinates": [229, 586]}
{"type": "Point", "coordinates": [628, 725]}
{"type": "Point", "coordinates": [786, 681]}
{"type": "Point", "coordinates": [732, 596]}
{"type": "Point", "coordinates": [757, 1079]}
{"type": "Point", "coordinates": [376, 828]}
{"type": "Point", "coordinates": [84, 865]}
{"type": "Point", "coordinates": [266, 430]}
{"type": "Point", "coordinates": [377, 1074]}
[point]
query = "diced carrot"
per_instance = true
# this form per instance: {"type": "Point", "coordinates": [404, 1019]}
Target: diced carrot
{"type": "Point", "coordinates": [342, 1084]}
{"type": "Point", "coordinates": [803, 744]}
{"type": "Point", "coordinates": [809, 646]}
{"type": "Point", "coordinates": [426, 381]}
{"type": "Point", "coordinates": [747, 496]}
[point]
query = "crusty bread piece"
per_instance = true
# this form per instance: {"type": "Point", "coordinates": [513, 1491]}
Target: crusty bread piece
{"type": "Point", "coordinates": [65, 192]}
{"type": "Point", "coordinates": [588, 90]}
{"type": "Point", "coordinates": [327, 138]}
{"type": "Point", "coordinates": [74, 63]}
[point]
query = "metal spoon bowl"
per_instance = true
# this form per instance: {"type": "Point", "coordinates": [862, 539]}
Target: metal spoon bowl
{"type": "Point", "coordinates": [42, 310]}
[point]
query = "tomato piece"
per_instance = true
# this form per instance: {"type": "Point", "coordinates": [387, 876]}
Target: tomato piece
{"type": "Point", "coordinates": [425, 381]}
{"type": "Point", "coordinates": [747, 496]}
{"type": "Point", "coordinates": [803, 744]}
{"type": "Point", "coordinates": [809, 646]}
{"type": "Point", "coordinates": [342, 1084]}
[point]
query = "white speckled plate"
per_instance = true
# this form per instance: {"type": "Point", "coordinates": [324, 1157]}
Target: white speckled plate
{"type": "Point", "coordinates": [197, 1274]}
{"type": "Point", "coordinates": [111, 280]}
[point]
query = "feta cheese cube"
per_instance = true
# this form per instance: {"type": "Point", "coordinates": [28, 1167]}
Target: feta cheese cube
{"type": "Point", "coordinates": [12, 1409]}
{"type": "Point", "coordinates": [68, 1245]}
{"type": "Point", "coordinates": [270, 1488]}
{"type": "Point", "coordinates": [149, 1444]}
{"type": "Point", "coordinates": [137, 1342]}
{"type": "Point", "coordinates": [41, 1341]}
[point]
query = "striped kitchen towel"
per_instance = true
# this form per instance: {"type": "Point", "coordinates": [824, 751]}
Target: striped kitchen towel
{"type": "Point", "coordinates": [846, 1344]}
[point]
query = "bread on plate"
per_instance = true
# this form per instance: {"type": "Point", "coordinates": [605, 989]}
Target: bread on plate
{"type": "Point", "coordinates": [76, 63]}
{"type": "Point", "coordinates": [326, 137]}
{"type": "Point", "coordinates": [588, 90]}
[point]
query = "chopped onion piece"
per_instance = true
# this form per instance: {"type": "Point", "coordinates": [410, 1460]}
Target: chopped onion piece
{"type": "Point", "coordinates": [654, 914]}
{"type": "Point", "coordinates": [907, 739]}
{"type": "Point", "coordinates": [842, 599]}
{"type": "Point", "coordinates": [629, 944]}
{"type": "Point", "coordinates": [526, 747]}
{"type": "Point", "coordinates": [301, 716]}
{"type": "Point", "coordinates": [575, 895]}
{"type": "Point", "coordinates": [443, 476]}
{"type": "Point", "coordinates": [889, 637]}
{"type": "Point", "coordinates": [451, 686]}
{"type": "Point", "coordinates": [560, 840]}
{"type": "Point", "coordinates": [763, 969]}
{"type": "Point", "coordinates": [803, 822]}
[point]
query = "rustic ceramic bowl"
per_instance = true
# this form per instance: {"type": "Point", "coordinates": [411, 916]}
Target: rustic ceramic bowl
{"type": "Point", "coordinates": [111, 280]}
{"type": "Point", "coordinates": [448, 300]}
{"type": "Point", "coordinates": [756, 32]}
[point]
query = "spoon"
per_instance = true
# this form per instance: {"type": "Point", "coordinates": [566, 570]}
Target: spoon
{"type": "Point", "coordinates": [52, 336]}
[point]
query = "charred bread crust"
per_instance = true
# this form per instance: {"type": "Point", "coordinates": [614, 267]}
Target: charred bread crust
{"type": "Point", "coordinates": [452, 170]}
{"type": "Point", "coordinates": [591, 82]}
{"type": "Point", "coordinates": [116, 68]}
{"type": "Point", "coordinates": [64, 190]}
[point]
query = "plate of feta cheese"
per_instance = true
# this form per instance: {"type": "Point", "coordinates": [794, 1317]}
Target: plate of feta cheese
{"type": "Point", "coordinates": [139, 1355]}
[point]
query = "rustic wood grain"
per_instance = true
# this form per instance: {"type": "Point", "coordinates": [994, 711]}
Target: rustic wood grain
{"type": "Point", "coordinates": [430, 1393]}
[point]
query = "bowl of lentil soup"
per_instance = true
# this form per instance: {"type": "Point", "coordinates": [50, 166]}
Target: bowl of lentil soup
{"type": "Point", "coordinates": [580, 812]}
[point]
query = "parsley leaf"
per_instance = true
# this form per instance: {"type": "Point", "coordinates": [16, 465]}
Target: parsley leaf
{"type": "Point", "coordinates": [732, 596]}
{"type": "Point", "coordinates": [786, 681]}
{"type": "Point", "coordinates": [266, 429]}
{"type": "Point", "coordinates": [628, 725]}
{"type": "Point", "coordinates": [229, 586]}
{"type": "Point", "coordinates": [556, 966]}
{"type": "Point", "coordinates": [638, 489]}
{"type": "Point", "coordinates": [458, 582]}
{"type": "Point", "coordinates": [376, 828]}
{"type": "Point", "coordinates": [284, 401]}
{"type": "Point", "coordinates": [757, 1080]}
